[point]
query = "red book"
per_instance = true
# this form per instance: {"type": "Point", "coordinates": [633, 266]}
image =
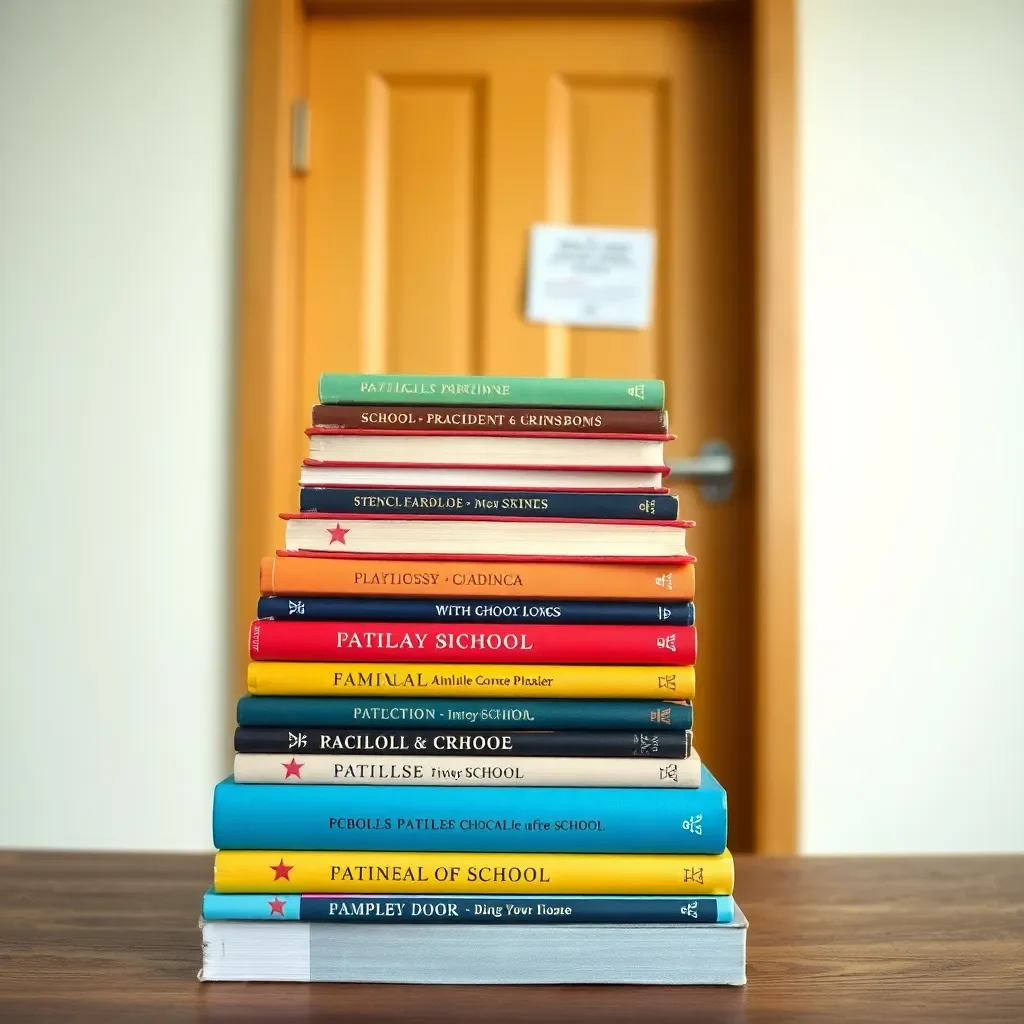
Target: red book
{"type": "Point", "coordinates": [467, 644]}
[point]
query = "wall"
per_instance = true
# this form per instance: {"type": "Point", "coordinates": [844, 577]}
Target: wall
{"type": "Point", "coordinates": [118, 122]}
{"type": "Point", "coordinates": [913, 334]}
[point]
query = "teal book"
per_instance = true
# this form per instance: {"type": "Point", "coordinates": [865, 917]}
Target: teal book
{"type": "Point", "coordinates": [462, 712]}
{"type": "Point", "coordinates": [422, 389]}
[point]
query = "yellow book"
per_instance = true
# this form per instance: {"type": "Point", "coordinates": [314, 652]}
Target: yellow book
{"type": "Point", "coordinates": [641, 874]}
{"type": "Point", "coordinates": [620, 682]}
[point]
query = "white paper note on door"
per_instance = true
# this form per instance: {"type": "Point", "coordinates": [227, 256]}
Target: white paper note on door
{"type": "Point", "coordinates": [590, 276]}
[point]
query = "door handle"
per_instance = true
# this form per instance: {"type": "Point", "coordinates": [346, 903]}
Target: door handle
{"type": "Point", "coordinates": [711, 469]}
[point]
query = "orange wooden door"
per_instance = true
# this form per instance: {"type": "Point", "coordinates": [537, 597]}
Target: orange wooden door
{"type": "Point", "coordinates": [437, 142]}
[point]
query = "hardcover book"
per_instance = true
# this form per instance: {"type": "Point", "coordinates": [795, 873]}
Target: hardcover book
{"type": "Point", "coordinates": [434, 642]}
{"type": "Point", "coordinates": [477, 954]}
{"type": "Point", "coordinates": [296, 574]}
{"type": "Point", "coordinates": [411, 501]}
{"type": "Point", "coordinates": [351, 908]}
{"type": "Point", "coordinates": [507, 536]}
{"type": "Point", "coordinates": [394, 871]}
{"type": "Point", "coordinates": [570, 743]}
{"type": "Point", "coordinates": [392, 609]}
{"type": "Point", "coordinates": [441, 448]}
{"type": "Point", "coordinates": [519, 478]}
{"type": "Point", "coordinates": [464, 713]}
{"type": "Point", "coordinates": [468, 770]}
{"type": "Point", "coordinates": [476, 418]}
{"type": "Point", "coordinates": [369, 678]}
{"type": "Point", "coordinates": [259, 816]}
{"type": "Point", "coordinates": [442, 389]}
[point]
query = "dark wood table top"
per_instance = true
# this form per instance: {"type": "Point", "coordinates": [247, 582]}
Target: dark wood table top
{"type": "Point", "coordinates": [110, 937]}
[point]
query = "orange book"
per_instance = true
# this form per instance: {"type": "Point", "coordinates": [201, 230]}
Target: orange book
{"type": "Point", "coordinates": [622, 581]}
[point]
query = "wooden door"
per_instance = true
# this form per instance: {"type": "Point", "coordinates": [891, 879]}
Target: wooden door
{"type": "Point", "coordinates": [437, 142]}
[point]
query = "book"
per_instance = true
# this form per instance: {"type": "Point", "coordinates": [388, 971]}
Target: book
{"type": "Point", "coordinates": [289, 574]}
{"type": "Point", "coordinates": [411, 501]}
{"type": "Point", "coordinates": [464, 712]}
{"type": "Point", "coordinates": [441, 448]}
{"type": "Point", "coordinates": [270, 640]}
{"type": "Point", "coordinates": [507, 536]}
{"type": "Point", "coordinates": [477, 954]}
{"type": "Point", "coordinates": [455, 389]}
{"type": "Point", "coordinates": [621, 682]}
{"type": "Point", "coordinates": [394, 871]}
{"type": "Point", "coordinates": [257, 816]}
{"type": "Point", "coordinates": [520, 478]}
{"type": "Point", "coordinates": [397, 609]}
{"type": "Point", "coordinates": [496, 418]}
{"type": "Point", "coordinates": [467, 770]}
{"type": "Point", "coordinates": [568, 743]}
{"type": "Point", "coordinates": [349, 908]}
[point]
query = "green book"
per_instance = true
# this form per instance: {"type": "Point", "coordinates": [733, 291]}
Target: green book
{"type": "Point", "coordinates": [426, 389]}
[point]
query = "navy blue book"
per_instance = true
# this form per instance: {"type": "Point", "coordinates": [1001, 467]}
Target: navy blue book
{"type": "Point", "coordinates": [502, 713]}
{"type": "Point", "coordinates": [484, 819]}
{"type": "Point", "coordinates": [413, 501]}
{"type": "Point", "coordinates": [402, 909]}
{"type": "Point", "coordinates": [398, 609]}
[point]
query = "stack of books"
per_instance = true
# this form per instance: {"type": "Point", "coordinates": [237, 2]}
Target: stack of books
{"type": "Point", "coordinates": [465, 755]}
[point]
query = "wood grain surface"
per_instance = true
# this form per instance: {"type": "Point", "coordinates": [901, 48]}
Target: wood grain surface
{"type": "Point", "coordinates": [112, 937]}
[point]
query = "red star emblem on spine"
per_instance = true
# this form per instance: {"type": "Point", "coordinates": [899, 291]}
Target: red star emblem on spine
{"type": "Point", "coordinates": [293, 767]}
{"type": "Point", "coordinates": [282, 870]}
{"type": "Point", "coordinates": [276, 907]}
{"type": "Point", "coordinates": [337, 534]}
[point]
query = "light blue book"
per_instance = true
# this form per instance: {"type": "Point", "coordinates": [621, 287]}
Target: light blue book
{"type": "Point", "coordinates": [255, 816]}
{"type": "Point", "coordinates": [402, 908]}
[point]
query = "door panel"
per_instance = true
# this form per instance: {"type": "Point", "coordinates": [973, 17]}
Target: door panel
{"type": "Point", "coordinates": [435, 143]}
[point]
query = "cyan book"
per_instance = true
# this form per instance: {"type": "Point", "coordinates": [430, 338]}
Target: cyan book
{"type": "Point", "coordinates": [432, 909]}
{"type": "Point", "coordinates": [481, 610]}
{"type": "Point", "coordinates": [267, 816]}
{"type": "Point", "coordinates": [503, 713]}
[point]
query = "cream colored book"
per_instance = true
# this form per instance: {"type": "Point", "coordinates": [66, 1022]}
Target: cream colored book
{"type": "Point", "coordinates": [362, 770]}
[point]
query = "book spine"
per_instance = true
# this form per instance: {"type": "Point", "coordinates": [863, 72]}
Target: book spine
{"type": "Point", "coordinates": [392, 609]}
{"type": "Point", "coordinates": [459, 770]}
{"type": "Point", "coordinates": [348, 908]}
{"type": "Point", "coordinates": [455, 742]}
{"type": "Point", "coordinates": [419, 389]}
{"type": "Point", "coordinates": [293, 575]}
{"type": "Point", "coordinates": [319, 871]}
{"type": "Point", "coordinates": [465, 712]}
{"type": "Point", "coordinates": [469, 418]}
{"type": "Point", "coordinates": [430, 642]}
{"type": "Point", "coordinates": [628, 682]}
{"type": "Point", "coordinates": [416, 501]}
{"type": "Point", "coordinates": [258, 816]}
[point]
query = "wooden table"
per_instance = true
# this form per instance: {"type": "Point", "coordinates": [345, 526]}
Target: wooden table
{"type": "Point", "coordinates": [110, 937]}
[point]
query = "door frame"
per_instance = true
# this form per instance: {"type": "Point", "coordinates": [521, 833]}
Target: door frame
{"type": "Point", "coordinates": [267, 389]}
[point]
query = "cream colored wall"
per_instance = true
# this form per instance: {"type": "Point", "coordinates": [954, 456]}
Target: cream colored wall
{"type": "Point", "coordinates": [912, 120]}
{"type": "Point", "coordinates": [117, 152]}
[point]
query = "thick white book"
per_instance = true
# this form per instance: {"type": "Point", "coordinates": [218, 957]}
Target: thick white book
{"type": "Point", "coordinates": [520, 478]}
{"type": "Point", "coordinates": [364, 770]}
{"type": "Point", "coordinates": [477, 954]}
{"type": "Point", "coordinates": [464, 535]}
{"type": "Point", "coordinates": [485, 449]}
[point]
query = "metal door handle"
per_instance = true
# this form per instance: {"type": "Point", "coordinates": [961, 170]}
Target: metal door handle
{"type": "Point", "coordinates": [711, 469]}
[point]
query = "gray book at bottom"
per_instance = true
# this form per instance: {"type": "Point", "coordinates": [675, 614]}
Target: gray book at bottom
{"type": "Point", "coordinates": [468, 954]}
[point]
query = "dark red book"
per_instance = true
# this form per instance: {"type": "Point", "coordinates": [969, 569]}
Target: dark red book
{"type": "Point", "coordinates": [465, 643]}
{"type": "Point", "coordinates": [458, 418]}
